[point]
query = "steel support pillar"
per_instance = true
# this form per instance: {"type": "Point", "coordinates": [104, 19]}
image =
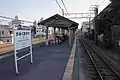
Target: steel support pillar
{"type": "Point", "coordinates": [46, 43]}
{"type": "Point", "coordinates": [54, 35]}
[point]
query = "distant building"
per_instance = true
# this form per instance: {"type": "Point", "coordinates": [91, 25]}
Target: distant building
{"type": "Point", "coordinates": [6, 34]}
{"type": "Point", "coordinates": [15, 22]}
{"type": "Point", "coordinates": [85, 26]}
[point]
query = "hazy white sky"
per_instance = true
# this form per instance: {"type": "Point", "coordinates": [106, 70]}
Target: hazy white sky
{"type": "Point", "coordinates": [35, 9]}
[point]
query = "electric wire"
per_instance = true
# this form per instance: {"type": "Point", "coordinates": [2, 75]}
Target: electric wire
{"type": "Point", "coordinates": [58, 4]}
{"type": "Point", "coordinates": [64, 6]}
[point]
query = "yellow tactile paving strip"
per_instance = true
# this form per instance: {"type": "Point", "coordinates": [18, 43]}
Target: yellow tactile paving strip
{"type": "Point", "coordinates": [69, 69]}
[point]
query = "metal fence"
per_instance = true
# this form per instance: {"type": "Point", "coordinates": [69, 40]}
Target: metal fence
{"type": "Point", "coordinates": [6, 47]}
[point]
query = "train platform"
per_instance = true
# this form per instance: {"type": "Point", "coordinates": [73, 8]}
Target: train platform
{"type": "Point", "coordinates": [51, 62]}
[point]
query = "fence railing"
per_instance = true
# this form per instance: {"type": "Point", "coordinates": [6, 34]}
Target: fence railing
{"type": "Point", "coordinates": [5, 48]}
{"type": "Point", "coordinates": [5, 45]}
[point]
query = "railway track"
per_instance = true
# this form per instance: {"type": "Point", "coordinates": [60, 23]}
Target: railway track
{"type": "Point", "coordinates": [99, 65]}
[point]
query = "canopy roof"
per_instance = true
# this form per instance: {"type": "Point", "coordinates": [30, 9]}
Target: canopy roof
{"type": "Point", "coordinates": [59, 21]}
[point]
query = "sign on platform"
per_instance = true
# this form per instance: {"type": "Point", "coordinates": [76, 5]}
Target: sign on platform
{"type": "Point", "coordinates": [22, 40]}
{"type": "Point", "coordinates": [38, 30]}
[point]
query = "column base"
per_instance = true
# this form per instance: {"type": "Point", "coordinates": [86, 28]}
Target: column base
{"type": "Point", "coordinates": [46, 42]}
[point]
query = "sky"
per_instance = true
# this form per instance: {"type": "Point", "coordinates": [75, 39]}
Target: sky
{"type": "Point", "coordinates": [35, 9]}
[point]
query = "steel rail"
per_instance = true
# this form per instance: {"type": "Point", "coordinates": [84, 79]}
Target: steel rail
{"type": "Point", "coordinates": [92, 60]}
{"type": "Point", "coordinates": [105, 61]}
{"type": "Point", "coordinates": [107, 64]}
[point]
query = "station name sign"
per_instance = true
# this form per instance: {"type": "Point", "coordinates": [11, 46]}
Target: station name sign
{"type": "Point", "coordinates": [22, 39]}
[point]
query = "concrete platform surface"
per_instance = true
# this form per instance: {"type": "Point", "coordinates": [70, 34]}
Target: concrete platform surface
{"type": "Point", "coordinates": [49, 64]}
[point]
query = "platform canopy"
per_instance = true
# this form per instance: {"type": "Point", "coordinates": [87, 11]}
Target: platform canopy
{"type": "Point", "coordinates": [59, 21]}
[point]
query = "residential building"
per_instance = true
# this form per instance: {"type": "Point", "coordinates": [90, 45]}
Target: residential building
{"type": "Point", "coordinates": [15, 22]}
{"type": "Point", "coordinates": [6, 34]}
{"type": "Point", "coordinates": [84, 28]}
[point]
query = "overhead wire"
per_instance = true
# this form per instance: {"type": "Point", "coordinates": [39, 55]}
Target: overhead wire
{"type": "Point", "coordinates": [58, 4]}
{"type": "Point", "coordinates": [97, 2]}
{"type": "Point", "coordinates": [64, 6]}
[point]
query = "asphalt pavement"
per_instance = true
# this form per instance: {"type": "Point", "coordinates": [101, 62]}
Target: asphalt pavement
{"type": "Point", "coordinates": [49, 64]}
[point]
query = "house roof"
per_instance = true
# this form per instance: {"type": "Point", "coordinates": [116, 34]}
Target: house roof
{"type": "Point", "coordinates": [5, 27]}
{"type": "Point", "coordinates": [59, 21]}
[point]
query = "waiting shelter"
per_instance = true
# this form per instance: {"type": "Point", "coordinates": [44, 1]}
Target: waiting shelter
{"type": "Point", "coordinates": [63, 24]}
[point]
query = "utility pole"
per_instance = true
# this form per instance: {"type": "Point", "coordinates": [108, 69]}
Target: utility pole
{"type": "Point", "coordinates": [60, 7]}
{"type": "Point", "coordinates": [89, 28]}
{"type": "Point", "coordinates": [95, 9]}
{"type": "Point", "coordinates": [62, 12]}
{"type": "Point", "coordinates": [96, 25]}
